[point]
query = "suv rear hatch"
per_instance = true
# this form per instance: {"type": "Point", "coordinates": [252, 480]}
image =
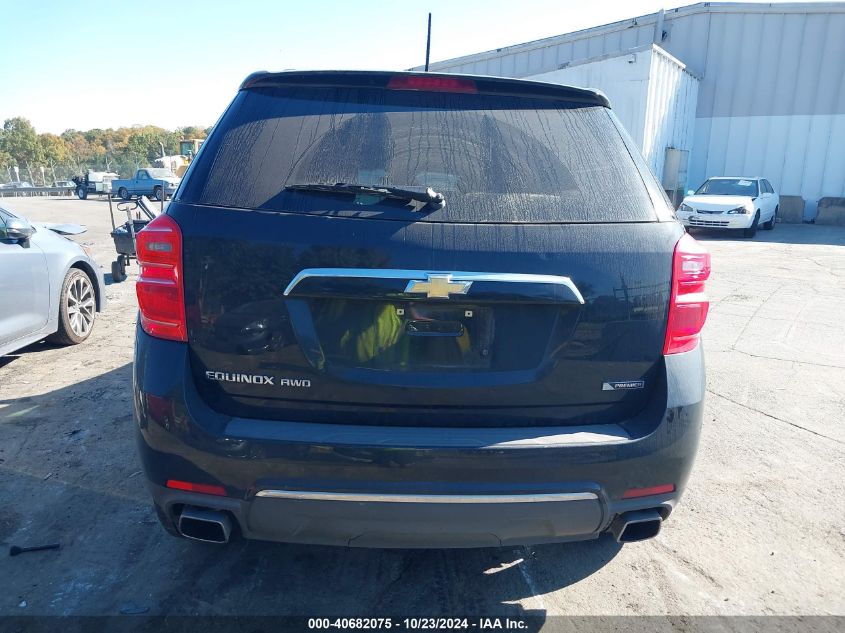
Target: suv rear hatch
{"type": "Point", "coordinates": [537, 294]}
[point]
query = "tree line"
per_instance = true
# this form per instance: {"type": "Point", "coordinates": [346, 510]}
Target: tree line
{"type": "Point", "coordinates": [43, 158]}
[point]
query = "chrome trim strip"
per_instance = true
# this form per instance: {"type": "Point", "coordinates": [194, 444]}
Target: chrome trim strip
{"type": "Point", "coordinates": [422, 275]}
{"type": "Point", "coordinates": [413, 498]}
{"type": "Point", "coordinates": [496, 438]}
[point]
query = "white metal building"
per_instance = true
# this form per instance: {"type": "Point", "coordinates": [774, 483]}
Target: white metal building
{"type": "Point", "coordinates": [738, 88]}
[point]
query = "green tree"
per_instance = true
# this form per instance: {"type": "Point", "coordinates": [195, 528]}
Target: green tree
{"type": "Point", "coordinates": [145, 144]}
{"type": "Point", "coordinates": [79, 155]}
{"type": "Point", "coordinates": [192, 131]}
{"type": "Point", "coordinates": [73, 152]}
{"type": "Point", "coordinates": [55, 153]}
{"type": "Point", "coordinates": [6, 162]}
{"type": "Point", "coordinates": [21, 142]}
{"type": "Point", "coordinates": [53, 148]}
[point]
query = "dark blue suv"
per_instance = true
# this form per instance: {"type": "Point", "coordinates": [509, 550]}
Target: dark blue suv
{"type": "Point", "coordinates": [418, 310]}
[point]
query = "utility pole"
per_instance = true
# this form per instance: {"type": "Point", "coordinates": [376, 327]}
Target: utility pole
{"type": "Point", "coordinates": [428, 43]}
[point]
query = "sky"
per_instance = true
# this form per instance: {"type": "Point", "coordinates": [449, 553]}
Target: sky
{"type": "Point", "coordinates": [84, 64]}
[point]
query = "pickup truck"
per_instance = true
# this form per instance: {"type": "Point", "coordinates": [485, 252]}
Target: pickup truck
{"type": "Point", "coordinates": [155, 182]}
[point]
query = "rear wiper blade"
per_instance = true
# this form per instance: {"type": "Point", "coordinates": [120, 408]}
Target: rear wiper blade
{"type": "Point", "coordinates": [418, 198]}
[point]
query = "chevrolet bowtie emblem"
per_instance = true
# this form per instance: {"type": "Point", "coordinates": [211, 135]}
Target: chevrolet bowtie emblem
{"type": "Point", "coordinates": [438, 286]}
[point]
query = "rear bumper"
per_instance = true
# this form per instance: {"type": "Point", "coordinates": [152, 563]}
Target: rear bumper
{"type": "Point", "coordinates": [450, 521]}
{"type": "Point", "coordinates": [409, 487]}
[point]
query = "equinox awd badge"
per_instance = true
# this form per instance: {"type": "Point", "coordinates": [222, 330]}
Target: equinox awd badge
{"type": "Point", "coordinates": [256, 379]}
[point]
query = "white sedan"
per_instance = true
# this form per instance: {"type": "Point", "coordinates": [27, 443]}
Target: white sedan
{"type": "Point", "coordinates": [50, 287]}
{"type": "Point", "coordinates": [731, 203]}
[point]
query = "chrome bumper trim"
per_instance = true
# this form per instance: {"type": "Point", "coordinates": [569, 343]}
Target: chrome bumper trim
{"type": "Point", "coordinates": [414, 498]}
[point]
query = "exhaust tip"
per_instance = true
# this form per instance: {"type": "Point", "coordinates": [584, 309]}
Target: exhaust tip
{"type": "Point", "coordinates": [208, 526]}
{"type": "Point", "coordinates": [637, 525]}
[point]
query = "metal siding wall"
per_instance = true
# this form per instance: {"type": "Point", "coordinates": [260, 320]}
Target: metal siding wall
{"type": "Point", "coordinates": [520, 64]}
{"type": "Point", "coordinates": [670, 114]}
{"type": "Point", "coordinates": [833, 176]}
{"type": "Point", "coordinates": [548, 56]}
{"type": "Point", "coordinates": [581, 49]}
{"type": "Point", "coordinates": [613, 42]}
{"type": "Point", "coordinates": [626, 85]}
{"type": "Point", "coordinates": [627, 39]}
{"type": "Point", "coordinates": [535, 61]}
{"type": "Point", "coordinates": [565, 53]}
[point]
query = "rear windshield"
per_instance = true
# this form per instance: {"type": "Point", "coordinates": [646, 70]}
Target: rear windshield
{"type": "Point", "coordinates": [495, 158]}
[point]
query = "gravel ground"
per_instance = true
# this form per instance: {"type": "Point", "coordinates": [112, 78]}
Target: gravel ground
{"type": "Point", "coordinates": [760, 531]}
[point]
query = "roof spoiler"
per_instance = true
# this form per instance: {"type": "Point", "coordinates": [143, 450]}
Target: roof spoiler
{"type": "Point", "coordinates": [381, 79]}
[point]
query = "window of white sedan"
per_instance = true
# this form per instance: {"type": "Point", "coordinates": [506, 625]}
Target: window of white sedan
{"type": "Point", "coordinates": [729, 187]}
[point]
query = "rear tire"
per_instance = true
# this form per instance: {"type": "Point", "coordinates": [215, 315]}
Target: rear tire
{"type": "Point", "coordinates": [771, 223]}
{"type": "Point", "coordinates": [77, 309]}
{"type": "Point", "coordinates": [82, 193]}
{"type": "Point", "coordinates": [751, 231]}
{"type": "Point", "coordinates": [123, 193]}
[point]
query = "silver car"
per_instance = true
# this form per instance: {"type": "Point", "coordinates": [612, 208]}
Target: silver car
{"type": "Point", "coordinates": [50, 287]}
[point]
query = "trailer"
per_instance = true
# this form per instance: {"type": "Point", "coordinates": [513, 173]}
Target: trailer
{"type": "Point", "coordinates": [94, 183]}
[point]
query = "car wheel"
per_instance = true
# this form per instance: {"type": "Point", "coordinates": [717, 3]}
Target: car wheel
{"type": "Point", "coordinates": [77, 309]}
{"type": "Point", "coordinates": [751, 231]}
{"type": "Point", "coordinates": [81, 193]}
{"type": "Point", "coordinates": [123, 193]}
{"type": "Point", "coordinates": [771, 223]}
{"type": "Point", "coordinates": [158, 193]}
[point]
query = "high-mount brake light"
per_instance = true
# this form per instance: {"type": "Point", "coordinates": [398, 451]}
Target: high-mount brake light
{"type": "Point", "coordinates": [432, 83]}
{"type": "Point", "coordinates": [161, 296]}
{"type": "Point", "coordinates": [688, 305]}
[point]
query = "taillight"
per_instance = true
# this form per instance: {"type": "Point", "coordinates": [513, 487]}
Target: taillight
{"type": "Point", "coordinates": [688, 304]}
{"type": "Point", "coordinates": [433, 83]}
{"type": "Point", "coordinates": [160, 292]}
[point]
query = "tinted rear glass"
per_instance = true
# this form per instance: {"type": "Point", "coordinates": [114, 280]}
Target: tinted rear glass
{"type": "Point", "coordinates": [495, 158]}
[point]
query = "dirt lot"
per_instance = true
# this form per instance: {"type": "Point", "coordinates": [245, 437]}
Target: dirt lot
{"type": "Point", "coordinates": [761, 529]}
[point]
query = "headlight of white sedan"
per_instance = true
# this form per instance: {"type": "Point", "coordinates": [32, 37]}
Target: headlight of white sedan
{"type": "Point", "coordinates": [739, 211]}
{"type": "Point", "coordinates": [685, 208]}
